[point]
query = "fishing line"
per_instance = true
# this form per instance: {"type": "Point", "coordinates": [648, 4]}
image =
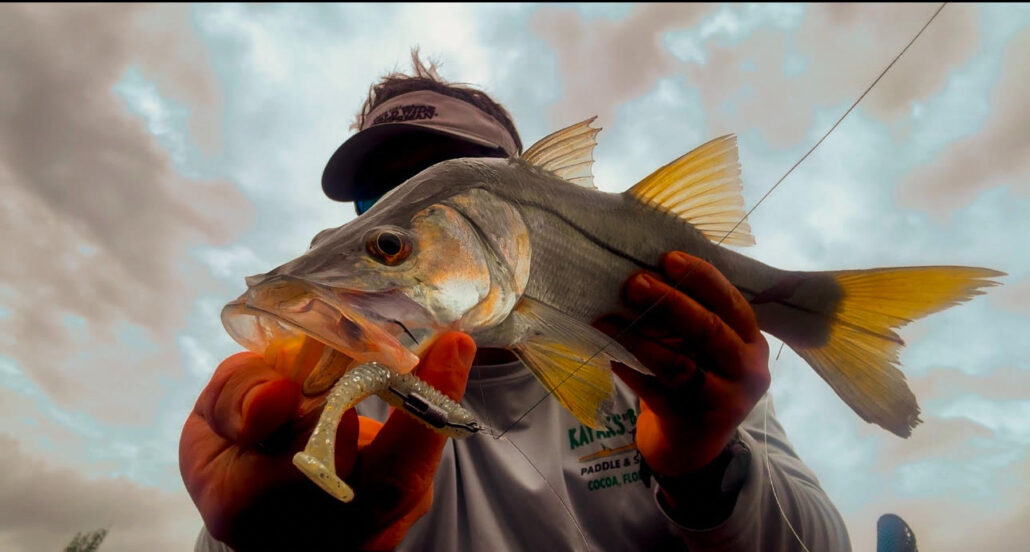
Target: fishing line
{"type": "Point", "coordinates": [568, 510]}
{"type": "Point", "coordinates": [488, 429]}
{"type": "Point", "coordinates": [768, 471]}
{"type": "Point", "coordinates": [482, 399]}
{"type": "Point", "coordinates": [683, 279]}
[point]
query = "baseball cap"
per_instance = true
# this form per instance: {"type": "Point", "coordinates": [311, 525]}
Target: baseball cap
{"type": "Point", "coordinates": [407, 134]}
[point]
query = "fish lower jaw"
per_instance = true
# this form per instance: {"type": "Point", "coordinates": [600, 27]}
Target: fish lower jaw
{"type": "Point", "coordinates": [347, 338]}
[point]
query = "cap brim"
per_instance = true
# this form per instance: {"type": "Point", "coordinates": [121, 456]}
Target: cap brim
{"type": "Point", "coordinates": [351, 172]}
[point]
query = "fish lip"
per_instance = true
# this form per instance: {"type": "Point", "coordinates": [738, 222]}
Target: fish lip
{"type": "Point", "coordinates": [253, 323]}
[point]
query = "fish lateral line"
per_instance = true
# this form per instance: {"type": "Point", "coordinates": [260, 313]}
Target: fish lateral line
{"type": "Point", "coordinates": [771, 295]}
{"type": "Point", "coordinates": [593, 239]}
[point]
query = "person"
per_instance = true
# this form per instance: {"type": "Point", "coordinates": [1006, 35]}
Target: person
{"type": "Point", "coordinates": [688, 461]}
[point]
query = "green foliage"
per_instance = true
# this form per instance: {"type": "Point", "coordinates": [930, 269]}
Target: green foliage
{"type": "Point", "coordinates": [86, 542]}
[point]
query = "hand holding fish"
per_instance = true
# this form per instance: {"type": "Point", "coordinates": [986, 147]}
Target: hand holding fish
{"type": "Point", "coordinates": [238, 443]}
{"type": "Point", "coordinates": [710, 361]}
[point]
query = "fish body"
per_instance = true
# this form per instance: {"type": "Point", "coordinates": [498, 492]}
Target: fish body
{"type": "Point", "coordinates": [524, 253]}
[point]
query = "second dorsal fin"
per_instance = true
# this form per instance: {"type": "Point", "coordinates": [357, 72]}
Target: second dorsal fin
{"type": "Point", "coordinates": [703, 188]}
{"type": "Point", "coordinates": [568, 153]}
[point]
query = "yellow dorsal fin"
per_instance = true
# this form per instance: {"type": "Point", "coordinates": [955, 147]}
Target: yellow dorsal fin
{"type": "Point", "coordinates": [568, 153]}
{"type": "Point", "coordinates": [703, 188]}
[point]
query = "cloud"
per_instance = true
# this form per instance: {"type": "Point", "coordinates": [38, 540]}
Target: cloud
{"type": "Point", "coordinates": [1015, 297]}
{"type": "Point", "coordinates": [42, 508]}
{"type": "Point", "coordinates": [94, 211]}
{"type": "Point", "coordinates": [952, 490]}
{"type": "Point", "coordinates": [960, 480]}
{"type": "Point", "coordinates": [994, 156]}
{"type": "Point", "coordinates": [752, 68]}
{"type": "Point", "coordinates": [118, 284]}
{"type": "Point", "coordinates": [946, 524]}
{"type": "Point", "coordinates": [1003, 383]}
{"type": "Point", "coordinates": [604, 62]}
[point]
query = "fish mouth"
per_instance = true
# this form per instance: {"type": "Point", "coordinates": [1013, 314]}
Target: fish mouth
{"type": "Point", "coordinates": [284, 309]}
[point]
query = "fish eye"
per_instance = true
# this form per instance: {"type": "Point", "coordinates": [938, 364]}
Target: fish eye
{"type": "Point", "coordinates": [388, 246]}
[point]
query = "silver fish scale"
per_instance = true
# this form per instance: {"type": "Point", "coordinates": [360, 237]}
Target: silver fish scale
{"type": "Point", "coordinates": [571, 272]}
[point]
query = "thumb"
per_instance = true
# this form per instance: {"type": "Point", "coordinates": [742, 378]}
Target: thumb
{"type": "Point", "coordinates": [246, 400]}
{"type": "Point", "coordinates": [405, 453]}
{"type": "Point", "coordinates": [446, 365]}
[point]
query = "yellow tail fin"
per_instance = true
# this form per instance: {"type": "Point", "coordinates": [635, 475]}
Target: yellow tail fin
{"type": "Point", "coordinates": [859, 360]}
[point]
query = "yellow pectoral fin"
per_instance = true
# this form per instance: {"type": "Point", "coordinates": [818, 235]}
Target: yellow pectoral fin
{"type": "Point", "coordinates": [582, 385]}
{"type": "Point", "coordinates": [571, 359]}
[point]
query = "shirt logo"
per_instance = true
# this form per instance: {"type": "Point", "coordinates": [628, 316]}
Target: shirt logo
{"type": "Point", "coordinates": [617, 462]}
{"type": "Point", "coordinates": [403, 113]}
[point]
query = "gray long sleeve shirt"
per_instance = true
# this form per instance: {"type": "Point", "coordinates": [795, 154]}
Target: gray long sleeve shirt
{"type": "Point", "coordinates": [551, 483]}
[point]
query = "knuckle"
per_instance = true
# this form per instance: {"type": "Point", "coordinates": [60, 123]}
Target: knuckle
{"type": "Point", "coordinates": [738, 410]}
{"type": "Point", "coordinates": [758, 377]}
{"type": "Point", "coordinates": [762, 381]}
{"type": "Point", "coordinates": [742, 306]}
{"type": "Point", "coordinates": [705, 269]}
{"type": "Point", "coordinates": [711, 325]}
{"type": "Point", "coordinates": [424, 504]}
{"type": "Point", "coordinates": [761, 348]}
{"type": "Point", "coordinates": [240, 361]}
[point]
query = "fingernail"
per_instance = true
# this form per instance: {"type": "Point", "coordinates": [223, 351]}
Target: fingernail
{"type": "Point", "coordinates": [640, 288]}
{"type": "Point", "coordinates": [677, 260]}
{"type": "Point", "coordinates": [466, 350]}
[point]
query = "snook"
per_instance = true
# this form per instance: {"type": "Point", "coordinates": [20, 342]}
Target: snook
{"type": "Point", "coordinates": [524, 253]}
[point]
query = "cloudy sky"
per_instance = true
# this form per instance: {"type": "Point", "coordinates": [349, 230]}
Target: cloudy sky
{"type": "Point", "coordinates": [150, 157]}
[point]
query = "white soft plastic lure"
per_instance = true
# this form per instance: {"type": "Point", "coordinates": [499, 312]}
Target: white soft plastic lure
{"type": "Point", "coordinates": [524, 253]}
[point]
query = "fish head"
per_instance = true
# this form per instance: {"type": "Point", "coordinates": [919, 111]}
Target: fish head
{"type": "Point", "coordinates": [437, 253]}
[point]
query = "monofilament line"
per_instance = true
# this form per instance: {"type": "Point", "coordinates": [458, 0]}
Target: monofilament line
{"type": "Point", "coordinates": [768, 471]}
{"type": "Point", "coordinates": [731, 230]}
{"type": "Point", "coordinates": [809, 152]}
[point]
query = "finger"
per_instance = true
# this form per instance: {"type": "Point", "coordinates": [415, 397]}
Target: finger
{"type": "Point", "coordinates": [246, 400]}
{"type": "Point", "coordinates": [390, 537]}
{"type": "Point", "coordinates": [347, 436]}
{"type": "Point", "coordinates": [405, 453]}
{"type": "Point", "coordinates": [701, 327]}
{"type": "Point", "coordinates": [668, 364]}
{"type": "Point", "coordinates": [368, 429]}
{"type": "Point", "coordinates": [293, 437]}
{"type": "Point", "coordinates": [710, 287]}
{"type": "Point", "coordinates": [644, 326]}
{"type": "Point", "coordinates": [679, 378]}
{"type": "Point", "coordinates": [648, 388]}
{"type": "Point", "coordinates": [265, 409]}
{"type": "Point", "coordinates": [446, 366]}
{"type": "Point", "coordinates": [243, 361]}
{"type": "Point", "coordinates": [199, 446]}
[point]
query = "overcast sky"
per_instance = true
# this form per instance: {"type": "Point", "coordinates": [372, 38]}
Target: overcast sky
{"type": "Point", "coordinates": [150, 157]}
